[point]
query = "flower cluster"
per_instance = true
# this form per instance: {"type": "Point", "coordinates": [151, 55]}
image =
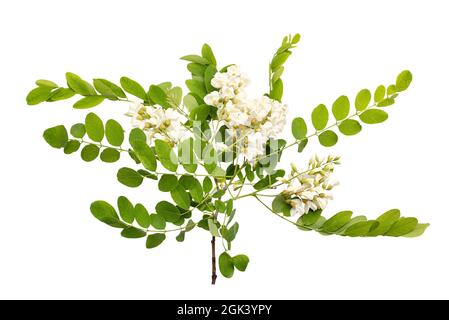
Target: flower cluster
{"type": "Point", "coordinates": [309, 190]}
{"type": "Point", "coordinates": [251, 121]}
{"type": "Point", "coordinates": [157, 122]}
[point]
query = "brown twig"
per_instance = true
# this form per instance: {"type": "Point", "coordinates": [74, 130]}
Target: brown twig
{"type": "Point", "coordinates": [214, 262]}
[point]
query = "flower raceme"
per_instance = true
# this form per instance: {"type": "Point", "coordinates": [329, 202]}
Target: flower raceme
{"type": "Point", "coordinates": [252, 122]}
{"type": "Point", "coordinates": [309, 190]}
{"type": "Point", "coordinates": [213, 146]}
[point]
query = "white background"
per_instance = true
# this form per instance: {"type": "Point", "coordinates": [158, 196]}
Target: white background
{"type": "Point", "coordinates": [51, 246]}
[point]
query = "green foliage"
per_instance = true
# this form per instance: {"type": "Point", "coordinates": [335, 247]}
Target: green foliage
{"type": "Point", "coordinates": [277, 66]}
{"type": "Point", "coordinates": [79, 86]}
{"type": "Point", "coordinates": [383, 97]}
{"type": "Point", "coordinates": [129, 177]}
{"type": "Point", "coordinates": [240, 262]}
{"type": "Point", "coordinates": [168, 182]}
{"type": "Point", "coordinates": [373, 116]}
{"type": "Point", "coordinates": [106, 213]}
{"type": "Point", "coordinates": [388, 224]}
{"type": "Point", "coordinates": [110, 155]}
{"type": "Point", "coordinates": [340, 108]}
{"type": "Point", "coordinates": [328, 138]}
{"type": "Point", "coordinates": [90, 152]}
{"type": "Point", "coordinates": [133, 87]}
{"type": "Point", "coordinates": [126, 209]}
{"type": "Point", "coordinates": [142, 216]}
{"type": "Point", "coordinates": [56, 137]}
{"type": "Point", "coordinates": [88, 102]}
{"type": "Point", "coordinates": [168, 211]}
{"type": "Point", "coordinates": [166, 155]}
{"type": "Point", "coordinates": [114, 133]}
{"type": "Point", "coordinates": [320, 117]}
{"type": "Point", "coordinates": [155, 240]}
{"type": "Point", "coordinates": [133, 233]}
{"type": "Point", "coordinates": [94, 127]}
{"type": "Point", "coordinates": [299, 128]}
{"type": "Point", "coordinates": [226, 265]}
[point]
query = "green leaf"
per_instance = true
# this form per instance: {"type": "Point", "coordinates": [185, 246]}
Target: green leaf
{"type": "Point", "coordinates": [157, 221]}
{"type": "Point", "coordinates": [90, 152]}
{"type": "Point", "coordinates": [144, 153]}
{"type": "Point", "coordinates": [230, 234]}
{"type": "Point", "coordinates": [391, 89]}
{"type": "Point", "coordinates": [320, 117]}
{"type": "Point", "coordinates": [129, 177]}
{"type": "Point", "coordinates": [61, 94]}
{"type": "Point", "coordinates": [379, 94]}
{"type": "Point", "coordinates": [168, 211]}
{"type": "Point", "coordinates": [108, 89]}
{"type": "Point", "coordinates": [158, 96]}
{"type": "Point", "coordinates": [302, 145]}
{"type": "Point", "coordinates": [341, 107]}
{"type": "Point", "coordinates": [362, 99]}
{"type": "Point", "coordinates": [403, 80]}
{"type": "Point", "coordinates": [279, 205]}
{"type": "Point", "coordinates": [126, 209]}
{"type": "Point", "coordinates": [79, 85]}
{"type": "Point", "coordinates": [78, 130]}
{"type": "Point", "coordinates": [142, 216]}
{"type": "Point", "coordinates": [106, 213]}
{"type": "Point", "coordinates": [168, 182]}
{"type": "Point", "coordinates": [328, 138]}
{"type": "Point", "coordinates": [226, 265]}
{"type": "Point", "coordinates": [196, 87]}
{"type": "Point", "coordinates": [174, 97]}
{"type": "Point", "coordinates": [207, 185]}
{"type": "Point", "coordinates": [211, 70]}
{"type": "Point", "coordinates": [110, 155]}
{"type": "Point", "coordinates": [386, 220]}
{"type": "Point", "coordinates": [38, 95]}
{"type": "Point", "coordinates": [213, 228]}
{"type": "Point", "coordinates": [94, 127]}
{"type": "Point", "coordinates": [88, 102]}
{"type": "Point", "coordinates": [299, 128]}
{"type": "Point", "coordinates": [207, 54]}
{"type": "Point", "coordinates": [296, 38]}
{"type": "Point", "coordinates": [336, 222]}
{"type": "Point", "coordinates": [181, 197]}
{"type": "Point", "coordinates": [240, 262]}
{"type": "Point", "coordinates": [350, 127]}
{"type": "Point", "coordinates": [386, 102]}
{"type": "Point", "coordinates": [72, 146]}
{"type": "Point", "coordinates": [56, 137]}
{"type": "Point", "coordinates": [402, 227]}
{"type": "Point", "coordinates": [166, 155]}
{"type": "Point", "coordinates": [114, 133]}
{"type": "Point", "coordinates": [373, 116]}
{"type": "Point", "coordinates": [196, 59]}
{"type": "Point", "coordinates": [46, 83]}
{"type": "Point", "coordinates": [133, 233]}
{"type": "Point", "coordinates": [310, 218]}
{"type": "Point", "coordinates": [134, 88]}
{"type": "Point", "coordinates": [419, 230]}
{"type": "Point", "coordinates": [155, 240]}
{"type": "Point", "coordinates": [186, 155]}
{"type": "Point", "coordinates": [279, 60]}
{"type": "Point", "coordinates": [277, 91]}
{"type": "Point", "coordinates": [360, 229]}
{"type": "Point", "coordinates": [137, 134]}
{"type": "Point", "coordinates": [190, 102]}
{"type": "Point", "coordinates": [196, 69]}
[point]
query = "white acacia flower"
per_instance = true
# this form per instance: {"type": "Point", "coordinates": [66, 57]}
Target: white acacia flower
{"type": "Point", "coordinates": [309, 190]}
{"type": "Point", "coordinates": [157, 122]}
